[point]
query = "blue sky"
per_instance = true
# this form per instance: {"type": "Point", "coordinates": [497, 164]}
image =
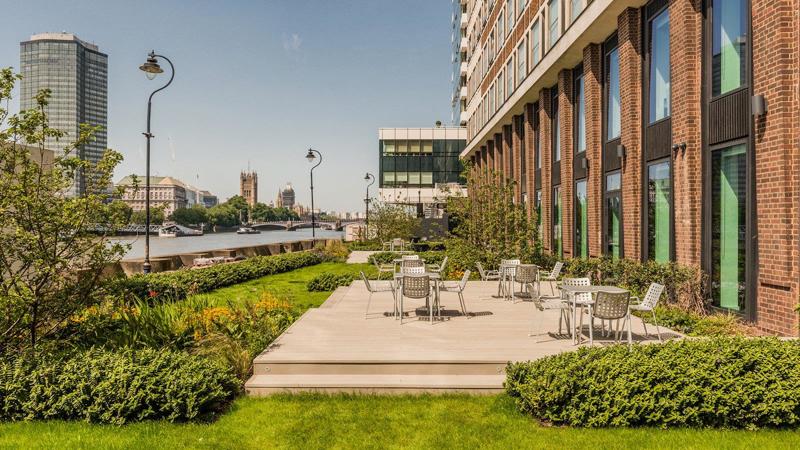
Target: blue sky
{"type": "Point", "coordinates": [260, 82]}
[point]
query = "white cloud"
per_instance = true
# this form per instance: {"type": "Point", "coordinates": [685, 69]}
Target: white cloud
{"type": "Point", "coordinates": [292, 44]}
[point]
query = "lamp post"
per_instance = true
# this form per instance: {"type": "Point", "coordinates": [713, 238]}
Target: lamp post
{"type": "Point", "coordinates": [151, 69]}
{"type": "Point", "coordinates": [367, 177]}
{"type": "Point", "coordinates": [311, 157]}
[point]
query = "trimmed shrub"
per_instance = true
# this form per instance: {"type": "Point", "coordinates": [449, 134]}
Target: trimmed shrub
{"type": "Point", "coordinates": [329, 282]}
{"type": "Point", "coordinates": [179, 284]}
{"type": "Point", "coordinates": [114, 387]}
{"type": "Point", "coordinates": [383, 257]}
{"type": "Point", "coordinates": [720, 382]}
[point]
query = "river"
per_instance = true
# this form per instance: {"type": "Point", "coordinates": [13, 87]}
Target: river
{"type": "Point", "coordinates": [214, 241]}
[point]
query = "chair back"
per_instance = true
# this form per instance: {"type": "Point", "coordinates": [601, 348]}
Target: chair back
{"type": "Point", "coordinates": [412, 263]}
{"type": "Point", "coordinates": [409, 257]}
{"type": "Point", "coordinates": [526, 273]}
{"type": "Point", "coordinates": [653, 295]}
{"type": "Point", "coordinates": [418, 286]}
{"type": "Point", "coordinates": [481, 271]}
{"type": "Point", "coordinates": [397, 242]}
{"type": "Point", "coordinates": [582, 296]}
{"type": "Point", "coordinates": [509, 266]}
{"type": "Point", "coordinates": [557, 269]}
{"type": "Point", "coordinates": [366, 281]}
{"type": "Point", "coordinates": [444, 263]}
{"type": "Point", "coordinates": [414, 270]}
{"type": "Point", "coordinates": [463, 283]}
{"type": "Point", "coordinates": [611, 306]}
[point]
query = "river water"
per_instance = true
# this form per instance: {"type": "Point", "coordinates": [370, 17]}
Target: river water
{"type": "Point", "coordinates": [215, 241]}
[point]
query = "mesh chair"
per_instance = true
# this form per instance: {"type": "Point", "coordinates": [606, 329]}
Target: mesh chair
{"type": "Point", "coordinates": [508, 270]}
{"type": "Point", "coordinates": [553, 274]}
{"type": "Point", "coordinates": [458, 287]}
{"type": "Point", "coordinates": [649, 304]}
{"type": "Point", "coordinates": [611, 306]}
{"type": "Point", "coordinates": [416, 287]}
{"type": "Point", "coordinates": [409, 263]}
{"type": "Point", "coordinates": [582, 300]}
{"type": "Point", "coordinates": [549, 304]}
{"type": "Point", "coordinates": [527, 275]}
{"type": "Point", "coordinates": [487, 275]}
{"type": "Point", "coordinates": [383, 268]}
{"type": "Point", "coordinates": [379, 286]}
{"type": "Point", "coordinates": [409, 257]}
{"type": "Point", "coordinates": [438, 268]}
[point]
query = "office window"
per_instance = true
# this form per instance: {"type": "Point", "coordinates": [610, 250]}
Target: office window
{"type": "Point", "coordinates": [558, 243]}
{"type": "Point", "coordinates": [659, 201]}
{"type": "Point", "coordinates": [659, 67]}
{"type": "Point", "coordinates": [509, 77]}
{"type": "Point", "coordinates": [388, 147]}
{"type": "Point", "coordinates": [613, 213]}
{"type": "Point", "coordinates": [581, 220]}
{"type": "Point", "coordinates": [499, 27]}
{"type": "Point", "coordinates": [426, 178]}
{"type": "Point", "coordinates": [491, 101]}
{"type": "Point", "coordinates": [575, 8]}
{"type": "Point", "coordinates": [728, 226]}
{"type": "Point", "coordinates": [427, 146]}
{"type": "Point", "coordinates": [614, 111]}
{"type": "Point", "coordinates": [554, 32]}
{"type": "Point", "coordinates": [580, 115]}
{"type": "Point", "coordinates": [413, 146]}
{"type": "Point", "coordinates": [510, 16]}
{"type": "Point", "coordinates": [521, 6]}
{"type": "Point", "coordinates": [536, 35]}
{"type": "Point", "coordinates": [388, 178]}
{"type": "Point", "coordinates": [729, 46]}
{"type": "Point", "coordinates": [522, 67]}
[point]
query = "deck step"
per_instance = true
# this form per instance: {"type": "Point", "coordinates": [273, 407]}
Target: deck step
{"type": "Point", "coordinates": [379, 384]}
{"type": "Point", "coordinates": [377, 367]}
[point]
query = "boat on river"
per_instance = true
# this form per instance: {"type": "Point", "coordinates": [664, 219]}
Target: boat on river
{"type": "Point", "coordinates": [175, 230]}
{"type": "Point", "coordinates": [247, 230]}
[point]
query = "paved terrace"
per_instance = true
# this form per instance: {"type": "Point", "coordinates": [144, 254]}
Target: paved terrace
{"type": "Point", "coordinates": [335, 349]}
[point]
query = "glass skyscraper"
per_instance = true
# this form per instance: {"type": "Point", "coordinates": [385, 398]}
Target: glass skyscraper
{"type": "Point", "coordinates": [77, 74]}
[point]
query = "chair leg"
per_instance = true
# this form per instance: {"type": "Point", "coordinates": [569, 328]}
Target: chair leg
{"type": "Point", "coordinates": [463, 304]}
{"type": "Point", "coordinates": [579, 328]}
{"type": "Point", "coordinates": [369, 300]}
{"type": "Point", "coordinates": [630, 337]}
{"type": "Point", "coordinates": [644, 323]}
{"type": "Point", "coordinates": [655, 320]}
{"type": "Point", "coordinates": [591, 325]}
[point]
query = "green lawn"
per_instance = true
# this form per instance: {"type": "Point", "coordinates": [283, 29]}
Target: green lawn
{"type": "Point", "coordinates": [289, 286]}
{"type": "Point", "coordinates": [309, 421]}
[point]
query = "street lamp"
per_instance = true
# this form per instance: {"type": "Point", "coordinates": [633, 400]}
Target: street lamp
{"type": "Point", "coordinates": [368, 177]}
{"type": "Point", "coordinates": [151, 69]}
{"type": "Point", "coordinates": [311, 157]}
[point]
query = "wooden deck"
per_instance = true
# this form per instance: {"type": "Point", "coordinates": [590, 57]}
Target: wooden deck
{"type": "Point", "coordinates": [334, 348]}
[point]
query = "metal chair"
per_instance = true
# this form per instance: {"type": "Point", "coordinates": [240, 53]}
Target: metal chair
{"type": "Point", "coordinates": [487, 275]}
{"type": "Point", "coordinates": [416, 287]}
{"type": "Point", "coordinates": [583, 300]}
{"type": "Point", "coordinates": [611, 306]}
{"type": "Point", "coordinates": [549, 304]}
{"type": "Point", "coordinates": [553, 274]}
{"type": "Point", "coordinates": [383, 268]}
{"type": "Point", "coordinates": [408, 263]}
{"type": "Point", "coordinates": [379, 286]}
{"type": "Point", "coordinates": [508, 270]}
{"type": "Point", "coordinates": [649, 304]}
{"type": "Point", "coordinates": [458, 287]}
{"type": "Point", "coordinates": [397, 242]}
{"type": "Point", "coordinates": [438, 268]}
{"type": "Point", "coordinates": [527, 275]}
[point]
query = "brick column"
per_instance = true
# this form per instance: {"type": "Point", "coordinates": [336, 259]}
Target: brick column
{"type": "Point", "coordinates": [630, 65]}
{"type": "Point", "coordinates": [500, 149]}
{"type": "Point", "coordinates": [490, 160]}
{"type": "Point", "coordinates": [776, 58]}
{"type": "Point", "coordinates": [545, 110]}
{"type": "Point", "coordinates": [515, 132]}
{"type": "Point", "coordinates": [484, 164]}
{"type": "Point", "coordinates": [686, 28]}
{"type": "Point", "coordinates": [530, 154]}
{"type": "Point", "coordinates": [593, 95]}
{"type": "Point", "coordinates": [566, 121]}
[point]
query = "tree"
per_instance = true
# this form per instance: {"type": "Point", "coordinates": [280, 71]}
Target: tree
{"type": "Point", "coordinates": [489, 219]}
{"type": "Point", "coordinates": [53, 248]}
{"type": "Point", "coordinates": [388, 221]}
{"type": "Point", "coordinates": [156, 215]}
{"type": "Point", "coordinates": [195, 215]}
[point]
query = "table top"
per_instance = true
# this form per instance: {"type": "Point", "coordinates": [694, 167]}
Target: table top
{"type": "Point", "coordinates": [593, 289]}
{"type": "Point", "coordinates": [432, 275]}
{"type": "Point", "coordinates": [399, 260]}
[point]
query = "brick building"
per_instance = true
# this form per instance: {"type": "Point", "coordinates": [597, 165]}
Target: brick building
{"type": "Point", "coordinates": [664, 129]}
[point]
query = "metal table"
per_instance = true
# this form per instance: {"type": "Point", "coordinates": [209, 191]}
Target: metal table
{"type": "Point", "coordinates": [570, 291]}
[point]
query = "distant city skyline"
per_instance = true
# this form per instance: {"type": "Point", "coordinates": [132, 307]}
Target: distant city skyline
{"type": "Point", "coordinates": [257, 83]}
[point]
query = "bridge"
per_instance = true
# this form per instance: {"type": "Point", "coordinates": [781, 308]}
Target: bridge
{"type": "Point", "coordinates": [291, 225]}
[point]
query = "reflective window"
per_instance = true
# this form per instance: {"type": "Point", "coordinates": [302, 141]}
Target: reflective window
{"type": "Point", "coordinates": [659, 205]}
{"type": "Point", "coordinates": [522, 68]}
{"type": "Point", "coordinates": [659, 67]}
{"type": "Point", "coordinates": [556, 129]}
{"type": "Point", "coordinates": [581, 220]}
{"type": "Point", "coordinates": [580, 116]}
{"type": "Point", "coordinates": [510, 16]}
{"type": "Point", "coordinates": [613, 213]}
{"type": "Point", "coordinates": [509, 77]}
{"type": "Point", "coordinates": [536, 34]}
{"type": "Point", "coordinates": [575, 8]}
{"type": "Point", "coordinates": [613, 113]}
{"type": "Point", "coordinates": [728, 63]}
{"type": "Point", "coordinates": [553, 30]}
{"type": "Point", "coordinates": [538, 206]}
{"type": "Point", "coordinates": [558, 244]}
{"type": "Point", "coordinates": [728, 226]}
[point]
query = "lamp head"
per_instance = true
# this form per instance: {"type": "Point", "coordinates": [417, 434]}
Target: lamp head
{"type": "Point", "coordinates": [310, 156]}
{"type": "Point", "coordinates": [366, 177]}
{"type": "Point", "coordinates": [151, 68]}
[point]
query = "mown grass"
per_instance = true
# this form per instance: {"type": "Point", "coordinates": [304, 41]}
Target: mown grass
{"type": "Point", "coordinates": [289, 286]}
{"type": "Point", "coordinates": [315, 421]}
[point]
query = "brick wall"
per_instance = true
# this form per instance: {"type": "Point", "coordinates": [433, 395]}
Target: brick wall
{"type": "Point", "coordinates": [776, 67]}
{"type": "Point", "coordinates": [566, 122]}
{"type": "Point", "coordinates": [592, 79]}
{"type": "Point", "coordinates": [630, 71]}
{"type": "Point", "coordinates": [545, 110]}
{"type": "Point", "coordinates": [530, 154]}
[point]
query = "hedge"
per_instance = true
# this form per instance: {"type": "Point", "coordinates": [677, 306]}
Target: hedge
{"type": "Point", "coordinates": [329, 282]}
{"type": "Point", "coordinates": [720, 382]}
{"type": "Point", "coordinates": [179, 284]}
{"type": "Point", "coordinates": [114, 387]}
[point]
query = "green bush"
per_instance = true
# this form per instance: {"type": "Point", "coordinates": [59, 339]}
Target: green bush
{"type": "Point", "coordinates": [179, 284]}
{"type": "Point", "coordinates": [383, 257]}
{"type": "Point", "coordinates": [426, 246]}
{"type": "Point", "coordinates": [329, 282]}
{"type": "Point", "coordinates": [333, 251]}
{"type": "Point", "coordinates": [365, 246]}
{"type": "Point", "coordinates": [719, 382]}
{"type": "Point", "coordinates": [693, 324]}
{"type": "Point", "coordinates": [114, 387]}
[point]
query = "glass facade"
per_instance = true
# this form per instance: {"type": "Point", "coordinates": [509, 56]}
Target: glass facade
{"type": "Point", "coordinates": [558, 242]}
{"type": "Point", "coordinates": [659, 67]}
{"type": "Point", "coordinates": [659, 206]}
{"type": "Point", "coordinates": [614, 111]}
{"type": "Point", "coordinates": [77, 75]}
{"type": "Point", "coordinates": [575, 8]}
{"type": "Point", "coordinates": [580, 115]}
{"type": "Point", "coordinates": [729, 46]}
{"type": "Point", "coordinates": [522, 66]}
{"type": "Point", "coordinates": [420, 163]}
{"type": "Point", "coordinates": [728, 226]}
{"type": "Point", "coordinates": [613, 214]}
{"type": "Point", "coordinates": [581, 220]}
